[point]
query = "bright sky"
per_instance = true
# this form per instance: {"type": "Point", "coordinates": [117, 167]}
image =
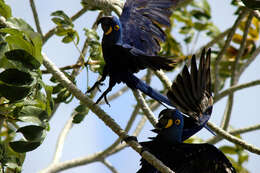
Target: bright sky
{"type": "Point", "coordinates": [92, 135]}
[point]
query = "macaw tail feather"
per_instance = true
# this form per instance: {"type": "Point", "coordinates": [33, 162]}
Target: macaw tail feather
{"type": "Point", "coordinates": [135, 83]}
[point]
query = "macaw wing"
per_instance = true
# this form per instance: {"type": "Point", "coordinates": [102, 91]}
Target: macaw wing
{"type": "Point", "coordinates": [201, 158]}
{"type": "Point", "coordinates": [191, 92]}
{"type": "Point", "coordinates": [140, 19]}
{"type": "Point", "coordinates": [135, 59]}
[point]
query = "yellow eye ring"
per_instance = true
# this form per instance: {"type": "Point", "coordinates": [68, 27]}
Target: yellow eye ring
{"type": "Point", "coordinates": [116, 27]}
{"type": "Point", "coordinates": [177, 122]}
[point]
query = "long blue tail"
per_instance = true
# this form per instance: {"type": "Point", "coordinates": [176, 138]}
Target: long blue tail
{"type": "Point", "coordinates": [136, 83]}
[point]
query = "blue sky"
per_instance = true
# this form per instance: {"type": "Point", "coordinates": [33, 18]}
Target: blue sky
{"type": "Point", "coordinates": [92, 135]}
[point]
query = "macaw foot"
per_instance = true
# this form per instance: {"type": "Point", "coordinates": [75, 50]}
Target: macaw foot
{"type": "Point", "coordinates": [96, 85]}
{"type": "Point", "coordinates": [104, 95]}
{"type": "Point", "coordinates": [130, 138]}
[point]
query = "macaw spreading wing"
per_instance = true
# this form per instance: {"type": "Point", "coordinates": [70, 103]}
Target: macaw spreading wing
{"type": "Point", "coordinates": [191, 92]}
{"type": "Point", "coordinates": [140, 19]}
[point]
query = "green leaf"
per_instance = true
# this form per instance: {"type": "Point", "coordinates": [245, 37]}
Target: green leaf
{"type": "Point", "coordinates": [82, 112]}
{"type": "Point", "coordinates": [14, 93]}
{"type": "Point", "coordinates": [243, 157]}
{"type": "Point", "coordinates": [19, 24]}
{"type": "Point", "coordinates": [200, 26]}
{"type": "Point", "coordinates": [24, 57]}
{"type": "Point", "coordinates": [50, 102]}
{"type": "Point", "coordinates": [64, 19]}
{"type": "Point", "coordinates": [16, 39]}
{"type": "Point", "coordinates": [81, 108]}
{"type": "Point", "coordinates": [200, 15]}
{"type": "Point", "coordinates": [16, 77]}
{"type": "Point", "coordinates": [23, 146]}
{"type": "Point", "coordinates": [67, 39]}
{"type": "Point", "coordinates": [228, 149]}
{"type": "Point", "coordinates": [58, 21]}
{"type": "Point", "coordinates": [91, 34]}
{"type": "Point", "coordinates": [5, 10]}
{"type": "Point", "coordinates": [78, 118]}
{"type": "Point", "coordinates": [33, 114]}
{"type": "Point", "coordinates": [32, 132]}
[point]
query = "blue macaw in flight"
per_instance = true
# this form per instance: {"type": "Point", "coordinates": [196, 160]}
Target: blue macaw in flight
{"type": "Point", "coordinates": [131, 43]}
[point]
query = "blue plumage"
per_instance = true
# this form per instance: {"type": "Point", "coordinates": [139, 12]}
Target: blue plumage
{"type": "Point", "coordinates": [181, 157]}
{"type": "Point", "coordinates": [131, 43]}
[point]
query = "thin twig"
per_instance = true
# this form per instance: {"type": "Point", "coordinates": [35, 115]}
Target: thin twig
{"type": "Point", "coordinates": [164, 79]}
{"type": "Point", "coordinates": [61, 140]}
{"type": "Point", "coordinates": [74, 66]}
{"type": "Point", "coordinates": [36, 18]}
{"type": "Point", "coordinates": [256, 13]}
{"type": "Point", "coordinates": [109, 166]}
{"type": "Point", "coordinates": [249, 61]}
{"type": "Point", "coordinates": [223, 50]}
{"type": "Point", "coordinates": [234, 139]}
{"type": "Point", "coordinates": [234, 75]}
{"type": "Point", "coordinates": [235, 88]}
{"type": "Point", "coordinates": [213, 41]}
{"type": "Point", "coordinates": [73, 18]}
{"type": "Point", "coordinates": [147, 111]}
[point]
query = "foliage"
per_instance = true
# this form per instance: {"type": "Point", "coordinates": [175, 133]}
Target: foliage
{"type": "Point", "coordinates": [27, 102]}
{"type": "Point", "coordinates": [64, 27]}
{"type": "Point", "coordinates": [21, 91]}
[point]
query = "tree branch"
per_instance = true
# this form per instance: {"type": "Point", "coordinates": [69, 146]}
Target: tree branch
{"type": "Point", "coordinates": [51, 32]}
{"type": "Point", "coordinates": [61, 140]}
{"type": "Point", "coordinates": [112, 149]}
{"type": "Point", "coordinates": [102, 115]}
{"type": "Point", "coordinates": [234, 139]}
{"type": "Point", "coordinates": [234, 88]}
{"type": "Point", "coordinates": [218, 138]}
{"type": "Point", "coordinates": [164, 79]}
{"type": "Point", "coordinates": [223, 50]}
{"type": "Point", "coordinates": [249, 61]}
{"type": "Point", "coordinates": [147, 111]}
{"type": "Point", "coordinates": [109, 166]}
{"type": "Point", "coordinates": [105, 5]}
{"type": "Point", "coordinates": [234, 75]}
{"type": "Point", "coordinates": [36, 18]}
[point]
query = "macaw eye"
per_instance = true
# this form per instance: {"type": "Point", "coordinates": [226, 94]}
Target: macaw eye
{"type": "Point", "coordinates": [177, 122]}
{"type": "Point", "coordinates": [116, 27]}
{"type": "Point", "coordinates": [169, 123]}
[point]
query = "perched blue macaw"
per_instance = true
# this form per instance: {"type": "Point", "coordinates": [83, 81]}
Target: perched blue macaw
{"type": "Point", "coordinates": [181, 157]}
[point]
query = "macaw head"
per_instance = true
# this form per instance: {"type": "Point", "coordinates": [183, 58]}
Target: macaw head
{"type": "Point", "coordinates": [170, 126]}
{"type": "Point", "coordinates": [112, 28]}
